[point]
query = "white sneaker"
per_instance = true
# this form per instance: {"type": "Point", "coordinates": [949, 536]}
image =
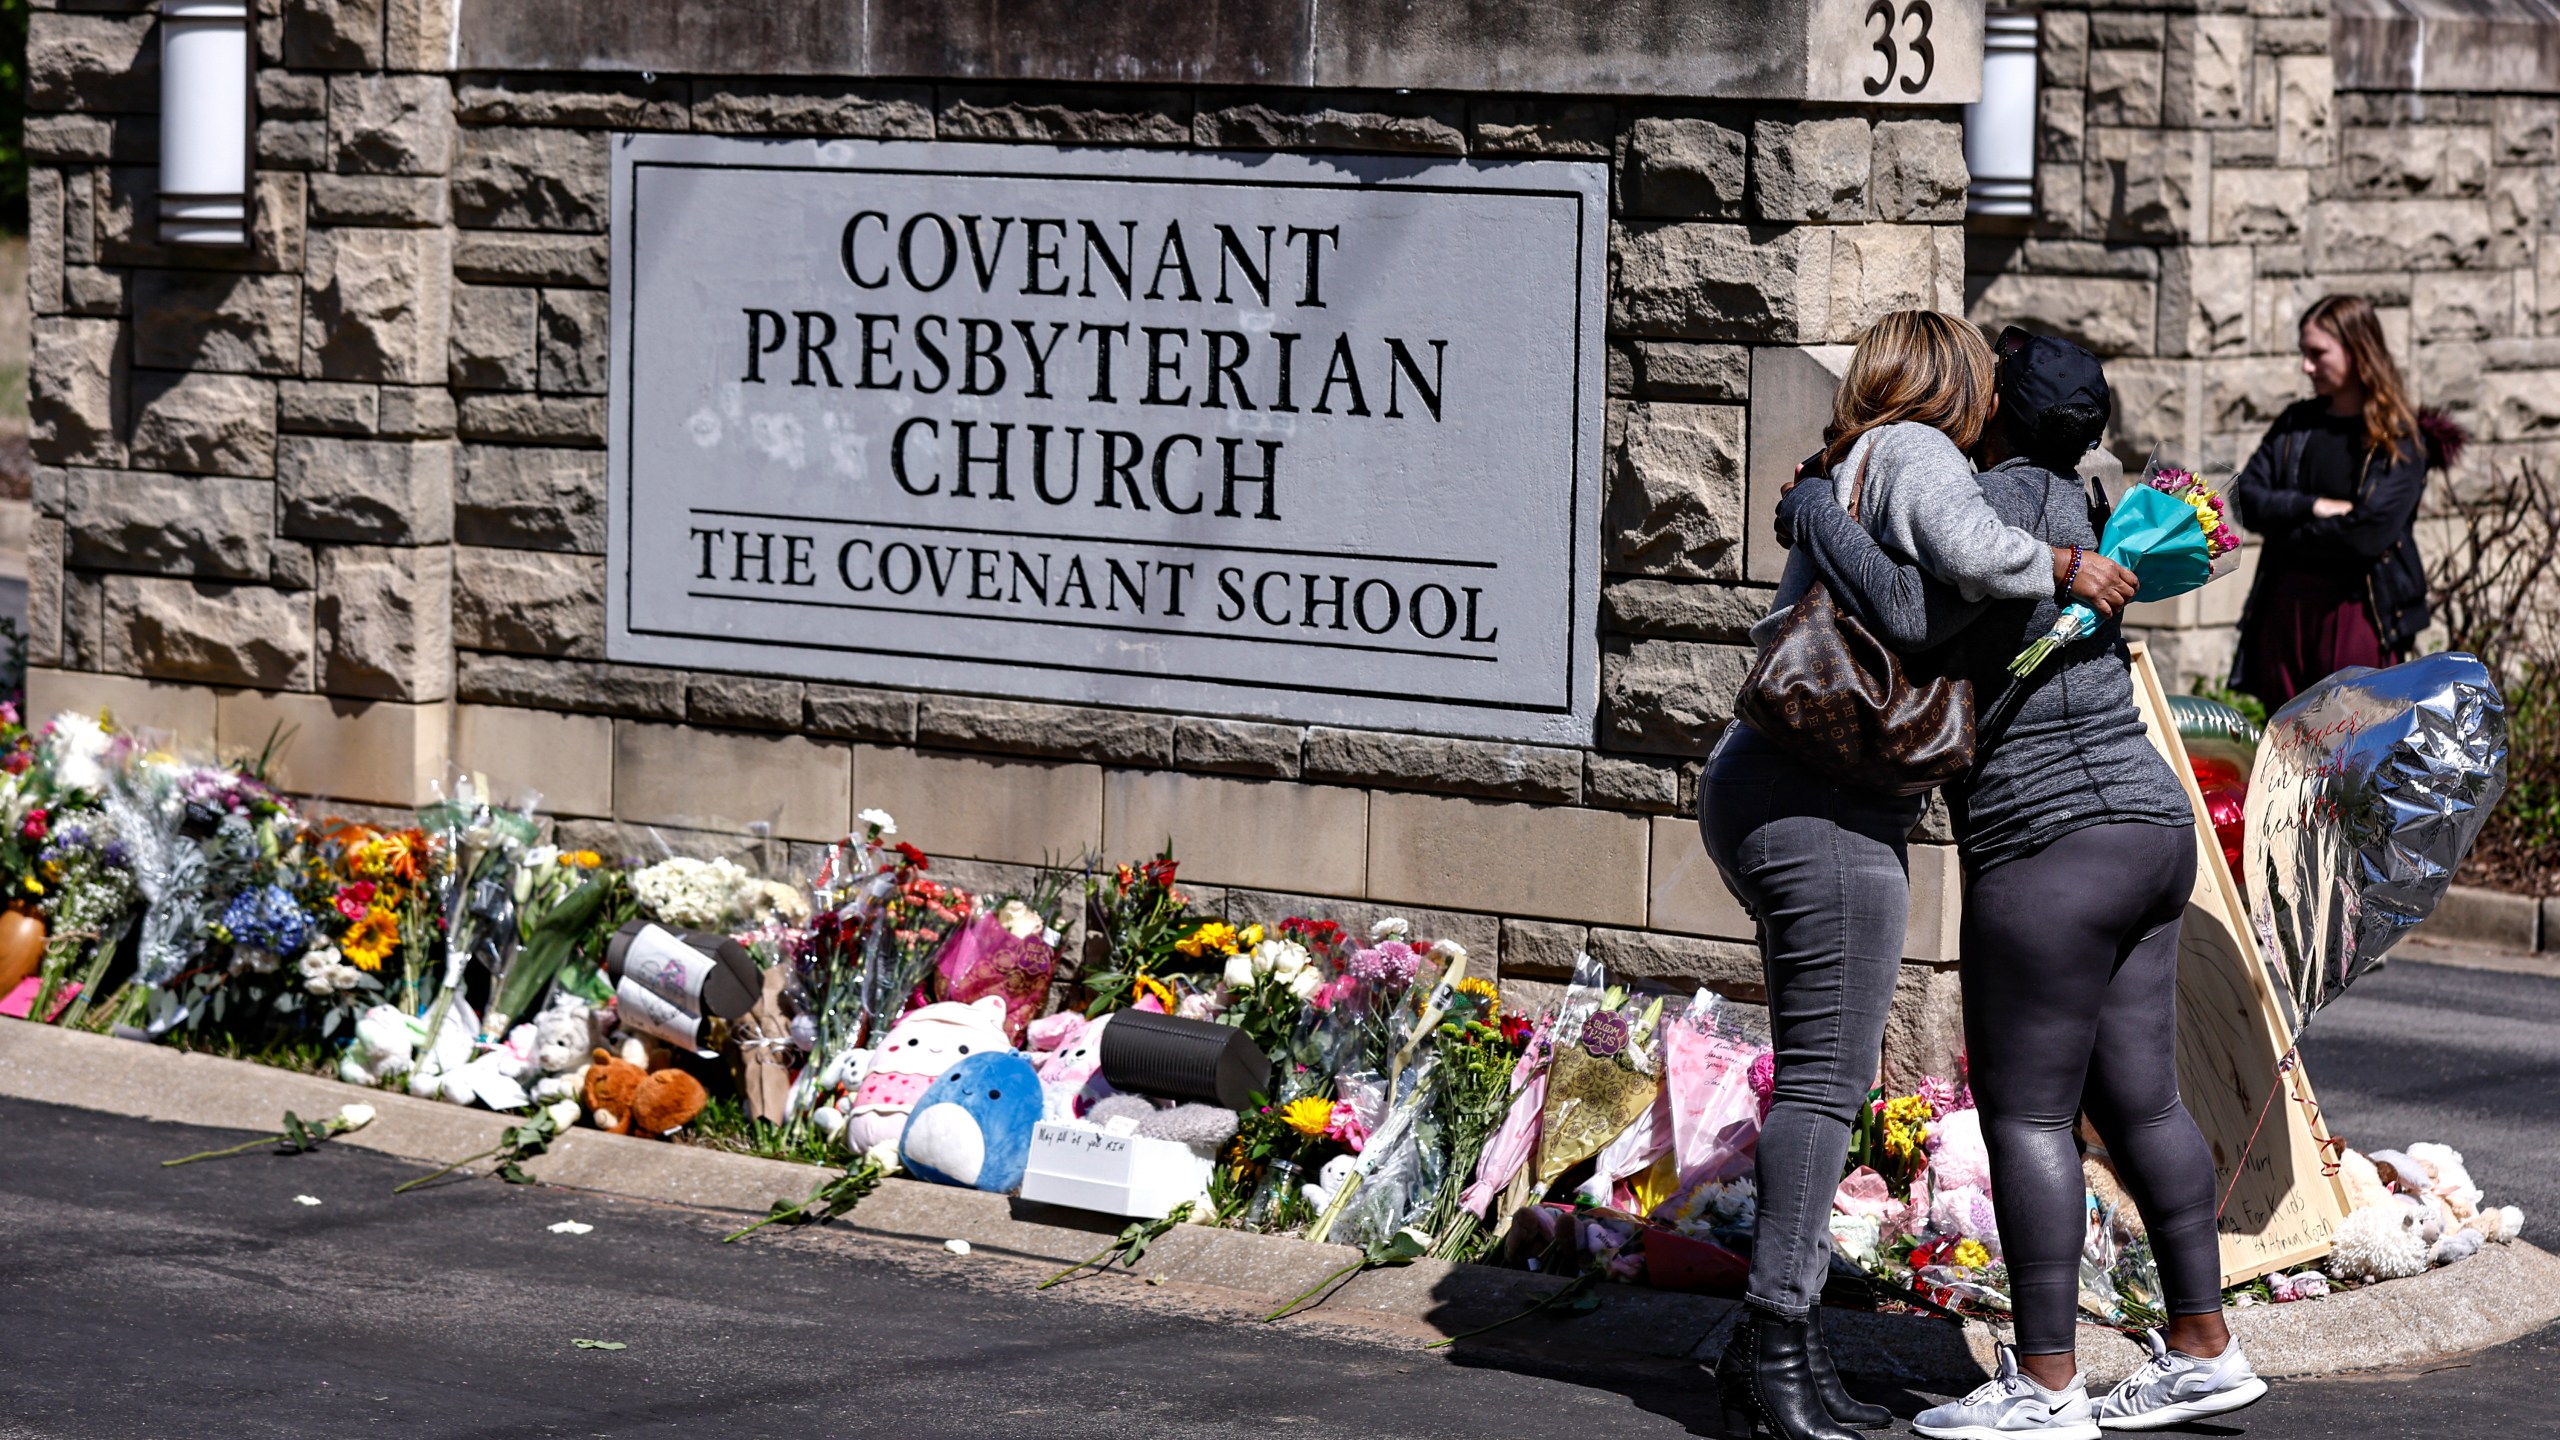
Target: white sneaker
{"type": "Point", "coordinates": [2171, 1389]}
{"type": "Point", "coordinates": [2011, 1404]}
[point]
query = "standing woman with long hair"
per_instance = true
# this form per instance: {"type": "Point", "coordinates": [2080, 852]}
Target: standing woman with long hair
{"type": "Point", "coordinates": [2333, 491]}
{"type": "Point", "coordinates": [1823, 866]}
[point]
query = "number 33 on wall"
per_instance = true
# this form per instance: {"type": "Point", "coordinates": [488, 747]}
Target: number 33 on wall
{"type": "Point", "coordinates": [1895, 52]}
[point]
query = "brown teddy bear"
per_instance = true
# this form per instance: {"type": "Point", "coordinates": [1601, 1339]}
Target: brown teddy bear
{"type": "Point", "coordinates": [623, 1098]}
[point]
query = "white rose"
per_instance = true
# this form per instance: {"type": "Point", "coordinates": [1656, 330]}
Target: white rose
{"type": "Point", "coordinates": [885, 1156]}
{"type": "Point", "coordinates": [1306, 982]}
{"type": "Point", "coordinates": [1284, 958]}
{"type": "Point", "coordinates": [880, 820]}
{"type": "Point", "coordinates": [345, 977]}
{"type": "Point", "coordinates": [1448, 952]}
{"type": "Point", "coordinates": [1239, 972]}
{"type": "Point", "coordinates": [354, 1117]}
{"type": "Point", "coordinates": [1019, 920]}
{"type": "Point", "coordinates": [1391, 928]}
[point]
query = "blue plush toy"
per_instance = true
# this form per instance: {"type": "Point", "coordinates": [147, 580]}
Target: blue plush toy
{"type": "Point", "coordinates": [972, 1125]}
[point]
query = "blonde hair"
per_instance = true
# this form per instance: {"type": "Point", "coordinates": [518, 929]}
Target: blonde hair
{"type": "Point", "coordinates": [1915, 365]}
{"type": "Point", "coordinates": [2389, 418]}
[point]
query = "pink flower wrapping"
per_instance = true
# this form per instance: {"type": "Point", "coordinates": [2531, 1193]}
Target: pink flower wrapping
{"type": "Point", "coordinates": [986, 959]}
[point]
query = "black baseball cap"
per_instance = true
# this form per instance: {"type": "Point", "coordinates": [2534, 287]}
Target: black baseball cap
{"type": "Point", "coordinates": [2039, 372]}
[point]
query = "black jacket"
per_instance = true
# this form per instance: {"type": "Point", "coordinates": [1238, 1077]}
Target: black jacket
{"type": "Point", "coordinates": [2273, 502]}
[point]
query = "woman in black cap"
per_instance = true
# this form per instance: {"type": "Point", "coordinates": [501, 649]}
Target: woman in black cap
{"type": "Point", "coordinates": [2333, 491]}
{"type": "Point", "coordinates": [2079, 851]}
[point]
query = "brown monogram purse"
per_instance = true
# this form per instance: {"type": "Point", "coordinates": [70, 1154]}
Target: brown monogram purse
{"type": "Point", "coordinates": [1842, 702]}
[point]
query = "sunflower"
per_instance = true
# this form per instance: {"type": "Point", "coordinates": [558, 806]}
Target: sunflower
{"type": "Point", "coordinates": [1482, 990]}
{"type": "Point", "coordinates": [370, 939]}
{"type": "Point", "coordinates": [1308, 1116]}
{"type": "Point", "coordinates": [1149, 985]}
{"type": "Point", "coordinates": [389, 857]}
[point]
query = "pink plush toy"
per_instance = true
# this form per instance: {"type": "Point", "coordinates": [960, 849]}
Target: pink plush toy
{"type": "Point", "coordinates": [1071, 1075]}
{"type": "Point", "coordinates": [930, 1040]}
{"type": "Point", "coordinates": [1958, 1160]}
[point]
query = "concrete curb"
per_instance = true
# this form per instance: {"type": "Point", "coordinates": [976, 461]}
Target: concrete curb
{"type": "Point", "coordinates": [2515, 924]}
{"type": "Point", "coordinates": [2504, 1293]}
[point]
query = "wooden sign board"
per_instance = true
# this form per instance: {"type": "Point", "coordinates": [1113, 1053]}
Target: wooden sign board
{"type": "Point", "coordinates": [2231, 1040]}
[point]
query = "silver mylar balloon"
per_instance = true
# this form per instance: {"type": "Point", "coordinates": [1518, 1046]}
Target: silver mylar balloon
{"type": "Point", "coordinates": [2370, 787]}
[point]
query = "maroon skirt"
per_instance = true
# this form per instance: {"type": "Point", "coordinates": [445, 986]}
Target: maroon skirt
{"type": "Point", "coordinates": [2304, 627]}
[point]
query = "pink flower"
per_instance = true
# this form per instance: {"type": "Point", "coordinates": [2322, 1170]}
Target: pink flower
{"type": "Point", "coordinates": [1392, 961]}
{"type": "Point", "coordinates": [1764, 1080]}
{"type": "Point", "coordinates": [1334, 991]}
{"type": "Point", "coordinates": [34, 827]}
{"type": "Point", "coordinates": [8, 713]}
{"type": "Point", "coordinates": [1344, 1127]}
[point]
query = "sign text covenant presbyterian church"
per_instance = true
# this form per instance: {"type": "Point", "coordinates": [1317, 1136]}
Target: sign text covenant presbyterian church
{"type": "Point", "coordinates": [1304, 438]}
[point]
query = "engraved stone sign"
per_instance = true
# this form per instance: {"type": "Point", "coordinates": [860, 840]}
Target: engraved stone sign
{"type": "Point", "coordinates": [1313, 438]}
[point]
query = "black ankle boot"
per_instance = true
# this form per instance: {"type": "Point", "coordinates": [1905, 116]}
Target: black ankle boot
{"type": "Point", "coordinates": [1844, 1407]}
{"type": "Point", "coordinates": [1765, 1382]}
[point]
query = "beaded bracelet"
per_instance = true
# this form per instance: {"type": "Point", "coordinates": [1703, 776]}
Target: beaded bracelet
{"type": "Point", "coordinates": [2073, 573]}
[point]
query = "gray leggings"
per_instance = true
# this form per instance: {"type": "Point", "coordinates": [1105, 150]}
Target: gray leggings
{"type": "Point", "coordinates": [2071, 1006]}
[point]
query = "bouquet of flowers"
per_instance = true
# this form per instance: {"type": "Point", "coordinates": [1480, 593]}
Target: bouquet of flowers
{"type": "Point", "coordinates": [1138, 926]}
{"type": "Point", "coordinates": [2169, 531]}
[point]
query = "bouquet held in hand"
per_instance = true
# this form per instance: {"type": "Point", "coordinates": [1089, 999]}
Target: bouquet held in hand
{"type": "Point", "coordinates": [2169, 531]}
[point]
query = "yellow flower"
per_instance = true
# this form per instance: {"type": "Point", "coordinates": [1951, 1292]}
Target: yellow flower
{"type": "Point", "coordinates": [369, 940]}
{"type": "Point", "coordinates": [1217, 935]}
{"type": "Point", "coordinates": [1308, 1116]}
{"type": "Point", "coordinates": [1150, 985]}
{"type": "Point", "coordinates": [583, 859]}
{"type": "Point", "coordinates": [1483, 990]}
{"type": "Point", "coordinates": [1969, 1254]}
{"type": "Point", "coordinates": [1251, 937]}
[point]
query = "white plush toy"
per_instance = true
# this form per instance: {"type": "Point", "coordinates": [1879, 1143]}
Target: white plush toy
{"type": "Point", "coordinates": [2380, 1242]}
{"type": "Point", "coordinates": [564, 1036]}
{"type": "Point", "coordinates": [385, 1047]}
{"type": "Point", "coordinates": [2451, 1179]}
{"type": "Point", "coordinates": [1329, 1181]}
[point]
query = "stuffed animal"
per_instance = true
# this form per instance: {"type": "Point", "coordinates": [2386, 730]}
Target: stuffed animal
{"type": "Point", "coordinates": [972, 1125]}
{"type": "Point", "coordinates": [385, 1047]}
{"type": "Point", "coordinates": [1071, 1078]}
{"type": "Point", "coordinates": [1958, 1160]}
{"type": "Point", "coordinates": [929, 1040]}
{"type": "Point", "coordinates": [1202, 1127]}
{"type": "Point", "coordinates": [562, 1035]}
{"type": "Point", "coordinates": [1329, 1181]}
{"type": "Point", "coordinates": [624, 1099]}
{"type": "Point", "coordinates": [2449, 1179]}
{"type": "Point", "coordinates": [2380, 1242]}
{"type": "Point", "coordinates": [2362, 1179]}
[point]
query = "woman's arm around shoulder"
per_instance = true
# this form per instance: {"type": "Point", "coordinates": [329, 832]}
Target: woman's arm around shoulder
{"type": "Point", "coordinates": [1903, 606]}
{"type": "Point", "coordinates": [1923, 500]}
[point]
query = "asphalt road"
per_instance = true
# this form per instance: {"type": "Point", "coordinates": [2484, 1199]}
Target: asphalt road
{"type": "Point", "coordinates": [206, 1302]}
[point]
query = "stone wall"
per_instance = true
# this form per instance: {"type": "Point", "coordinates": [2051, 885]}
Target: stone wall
{"type": "Point", "coordinates": [352, 482]}
{"type": "Point", "coordinates": [2207, 170]}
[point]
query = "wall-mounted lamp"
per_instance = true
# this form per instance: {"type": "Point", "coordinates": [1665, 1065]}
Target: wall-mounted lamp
{"type": "Point", "coordinates": [205, 66]}
{"type": "Point", "coordinates": [2000, 128]}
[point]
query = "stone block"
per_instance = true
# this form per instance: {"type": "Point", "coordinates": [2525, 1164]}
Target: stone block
{"type": "Point", "coordinates": [98, 63]}
{"type": "Point", "coordinates": [785, 785]}
{"type": "Point", "coordinates": [977, 807]}
{"type": "Point", "coordinates": [1687, 893]}
{"type": "Point", "coordinates": [45, 545]}
{"type": "Point", "coordinates": [292, 145]}
{"type": "Point", "coordinates": [184, 712]}
{"type": "Point", "coordinates": [531, 602]}
{"type": "Point", "coordinates": [217, 320]}
{"type": "Point", "coordinates": [532, 419]}
{"type": "Point", "coordinates": [1791, 393]}
{"type": "Point", "coordinates": [2124, 87]}
{"type": "Point", "coordinates": [94, 139]}
{"type": "Point", "coordinates": [1431, 762]}
{"type": "Point", "coordinates": [1674, 610]}
{"type": "Point", "coordinates": [529, 498]}
{"type": "Point", "coordinates": [284, 95]}
{"type": "Point", "coordinates": [638, 691]}
{"type": "Point", "coordinates": [380, 491]}
{"type": "Point", "coordinates": [2204, 78]}
{"type": "Point", "coordinates": [333, 34]}
{"type": "Point", "coordinates": [860, 714]}
{"type": "Point", "coordinates": [1238, 747]}
{"type": "Point", "coordinates": [2247, 394]}
{"type": "Point", "coordinates": [576, 342]}
{"type": "Point", "coordinates": [84, 621]}
{"type": "Point", "coordinates": [206, 631]}
{"type": "Point", "coordinates": [798, 107]}
{"type": "Point", "coordinates": [1674, 502]}
{"type": "Point", "coordinates": [1811, 169]}
{"type": "Point", "coordinates": [2399, 234]}
{"type": "Point", "coordinates": [385, 621]}
{"type": "Point", "coordinates": [419, 34]}
{"type": "Point", "coordinates": [417, 412]}
{"type": "Point", "coordinates": [747, 702]}
{"type": "Point", "coordinates": [370, 752]}
{"type": "Point", "coordinates": [1720, 282]}
{"type": "Point", "coordinates": [381, 200]}
{"type": "Point", "coordinates": [493, 337]}
{"type": "Point", "coordinates": [2205, 300]}
{"type": "Point", "coordinates": [1667, 697]}
{"type": "Point", "coordinates": [2157, 402]}
{"type": "Point", "coordinates": [1267, 834]}
{"type": "Point", "coordinates": [1069, 117]}
{"type": "Point", "coordinates": [76, 392]}
{"type": "Point", "coordinates": [168, 524]}
{"type": "Point", "coordinates": [1541, 949]}
{"type": "Point", "coordinates": [499, 257]}
{"type": "Point", "coordinates": [2062, 198]}
{"type": "Point", "coordinates": [205, 424]}
{"type": "Point", "coordinates": [2413, 160]}
{"type": "Point", "coordinates": [2258, 207]}
{"type": "Point", "coordinates": [1920, 172]}
{"type": "Point", "coordinates": [2111, 317]}
{"type": "Point", "coordinates": [2520, 405]}
{"type": "Point", "coordinates": [2305, 100]}
{"type": "Point", "coordinates": [586, 102]}
{"type": "Point", "coordinates": [2245, 149]}
{"type": "Point", "coordinates": [1731, 968]}
{"type": "Point", "coordinates": [1619, 782]}
{"type": "Point", "coordinates": [2528, 129]}
{"type": "Point", "coordinates": [1509, 858]}
{"type": "Point", "coordinates": [1924, 1029]}
{"type": "Point", "coordinates": [568, 758]}
{"type": "Point", "coordinates": [1685, 169]}
{"type": "Point", "coordinates": [2062, 118]}
{"type": "Point", "coordinates": [1113, 737]}
{"type": "Point", "coordinates": [326, 407]}
{"type": "Point", "coordinates": [1397, 123]}
{"type": "Point", "coordinates": [1935, 928]}
{"type": "Point", "coordinates": [391, 124]}
{"type": "Point", "coordinates": [1580, 129]}
{"type": "Point", "coordinates": [2062, 48]}
{"type": "Point", "coordinates": [528, 178]}
{"type": "Point", "coordinates": [1878, 269]}
{"type": "Point", "coordinates": [379, 305]}
{"type": "Point", "coordinates": [87, 290]}
{"type": "Point", "coordinates": [1689, 371]}
{"type": "Point", "coordinates": [2462, 305]}
{"type": "Point", "coordinates": [2151, 184]}
{"type": "Point", "coordinates": [292, 566]}
{"type": "Point", "coordinates": [45, 240]}
{"type": "Point", "coordinates": [2136, 30]}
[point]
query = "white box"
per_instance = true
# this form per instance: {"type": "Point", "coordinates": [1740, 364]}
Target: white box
{"type": "Point", "coordinates": [1093, 1169]}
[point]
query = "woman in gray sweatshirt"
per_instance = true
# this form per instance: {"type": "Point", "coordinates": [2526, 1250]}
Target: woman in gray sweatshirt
{"type": "Point", "coordinates": [1822, 866]}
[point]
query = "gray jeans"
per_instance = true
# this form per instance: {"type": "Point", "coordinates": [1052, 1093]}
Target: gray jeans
{"type": "Point", "coordinates": [1823, 869]}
